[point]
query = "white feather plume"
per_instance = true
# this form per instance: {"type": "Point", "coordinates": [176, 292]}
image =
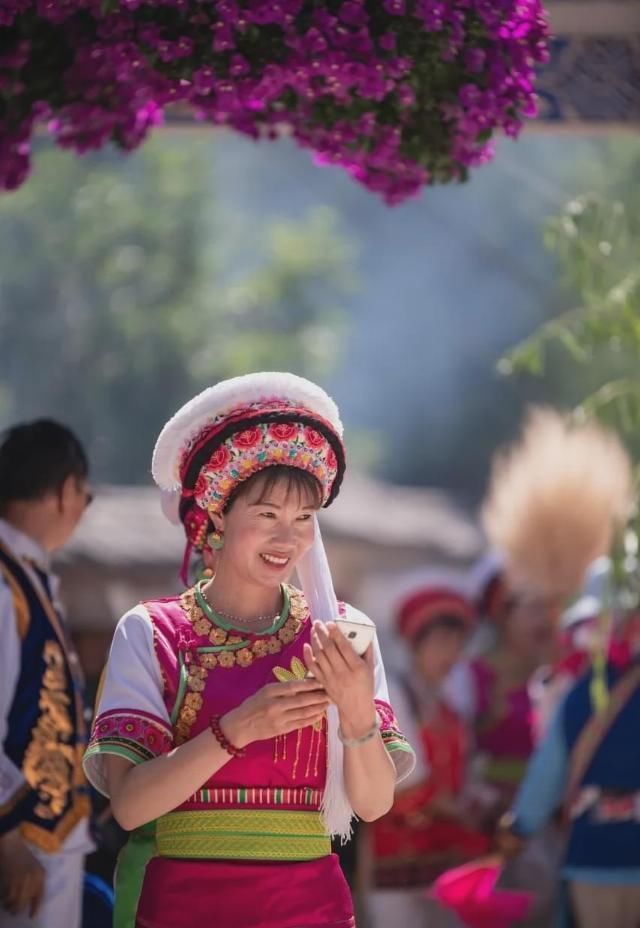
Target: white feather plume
{"type": "Point", "coordinates": [556, 499]}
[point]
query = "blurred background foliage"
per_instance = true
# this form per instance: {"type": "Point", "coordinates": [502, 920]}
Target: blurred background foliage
{"type": "Point", "coordinates": [120, 299]}
{"type": "Point", "coordinates": [596, 241]}
{"type": "Point", "coordinates": [128, 283]}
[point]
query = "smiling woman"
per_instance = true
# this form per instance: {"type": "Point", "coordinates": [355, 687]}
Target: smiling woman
{"type": "Point", "coordinates": [266, 526]}
{"type": "Point", "coordinates": [234, 733]}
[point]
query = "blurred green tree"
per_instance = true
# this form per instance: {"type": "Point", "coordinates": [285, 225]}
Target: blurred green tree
{"type": "Point", "coordinates": [596, 240]}
{"type": "Point", "coordinates": [123, 292]}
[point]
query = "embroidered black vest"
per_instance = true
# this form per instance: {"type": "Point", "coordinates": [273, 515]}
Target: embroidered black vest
{"type": "Point", "coordinates": [45, 727]}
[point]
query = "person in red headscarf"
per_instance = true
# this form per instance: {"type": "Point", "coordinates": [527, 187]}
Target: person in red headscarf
{"type": "Point", "coordinates": [429, 828]}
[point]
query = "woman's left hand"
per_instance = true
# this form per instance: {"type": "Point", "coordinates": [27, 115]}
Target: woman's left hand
{"type": "Point", "coordinates": [347, 679]}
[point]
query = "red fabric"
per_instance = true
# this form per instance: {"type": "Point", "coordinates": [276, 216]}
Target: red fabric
{"type": "Point", "coordinates": [494, 598]}
{"type": "Point", "coordinates": [444, 742]}
{"type": "Point", "coordinates": [408, 830]}
{"type": "Point", "coordinates": [575, 663]}
{"type": "Point", "coordinates": [229, 894]}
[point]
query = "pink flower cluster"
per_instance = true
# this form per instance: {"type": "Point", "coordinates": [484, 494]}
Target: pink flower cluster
{"type": "Point", "coordinates": [399, 93]}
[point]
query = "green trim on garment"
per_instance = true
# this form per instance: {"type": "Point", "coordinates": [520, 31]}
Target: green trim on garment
{"type": "Point", "coordinates": [182, 686]}
{"type": "Point", "coordinates": [217, 648]}
{"type": "Point", "coordinates": [130, 750]}
{"type": "Point", "coordinates": [129, 876]}
{"type": "Point", "coordinates": [507, 770]}
{"type": "Point", "coordinates": [218, 620]}
{"type": "Point", "coordinates": [392, 746]}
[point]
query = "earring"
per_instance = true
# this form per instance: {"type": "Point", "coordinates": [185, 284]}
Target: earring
{"type": "Point", "coordinates": [215, 540]}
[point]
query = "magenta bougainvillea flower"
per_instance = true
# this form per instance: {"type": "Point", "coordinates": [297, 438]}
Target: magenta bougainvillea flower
{"type": "Point", "coordinates": [399, 93]}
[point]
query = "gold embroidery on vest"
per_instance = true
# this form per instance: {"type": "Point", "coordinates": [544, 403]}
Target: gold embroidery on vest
{"type": "Point", "coordinates": [49, 761]}
{"type": "Point", "coordinates": [199, 665]}
{"type": "Point", "coordinates": [255, 647]}
{"type": "Point", "coordinates": [298, 672]}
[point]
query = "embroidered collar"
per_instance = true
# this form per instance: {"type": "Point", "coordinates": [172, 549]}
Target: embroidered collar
{"type": "Point", "coordinates": [226, 648]}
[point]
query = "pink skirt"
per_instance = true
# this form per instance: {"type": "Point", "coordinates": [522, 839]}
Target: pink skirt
{"type": "Point", "coordinates": [231, 894]}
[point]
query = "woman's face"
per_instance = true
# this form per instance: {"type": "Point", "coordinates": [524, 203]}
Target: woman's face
{"type": "Point", "coordinates": [437, 653]}
{"type": "Point", "coordinates": [529, 628]}
{"type": "Point", "coordinates": [266, 535]}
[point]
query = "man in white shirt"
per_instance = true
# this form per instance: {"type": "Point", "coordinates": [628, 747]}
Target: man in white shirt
{"type": "Point", "coordinates": [44, 805]}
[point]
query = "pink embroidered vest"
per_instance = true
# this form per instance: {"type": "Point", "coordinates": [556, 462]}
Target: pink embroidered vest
{"type": "Point", "coordinates": [207, 671]}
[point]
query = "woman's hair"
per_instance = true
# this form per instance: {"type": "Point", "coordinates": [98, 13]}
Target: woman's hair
{"type": "Point", "coordinates": [36, 458]}
{"type": "Point", "coordinates": [446, 623]}
{"type": "Point", "coordinates": [300, 481]}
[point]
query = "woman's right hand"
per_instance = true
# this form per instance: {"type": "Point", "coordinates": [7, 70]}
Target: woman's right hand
{"type": "Point", "coordinates": [276, 709]}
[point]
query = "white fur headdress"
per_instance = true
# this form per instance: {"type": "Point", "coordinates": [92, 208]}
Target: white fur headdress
{"type": "Point", "coordinates": [218, 402]}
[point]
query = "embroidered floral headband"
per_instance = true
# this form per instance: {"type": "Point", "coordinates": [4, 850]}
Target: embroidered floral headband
{"type": "Point", "coordinates": [304, 442]}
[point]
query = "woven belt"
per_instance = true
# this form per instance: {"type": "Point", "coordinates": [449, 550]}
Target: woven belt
{"type": "Point", "coordinates": [606, 807]}
{"type": "Point", "coordinates": [242, 834]}
{"type": "Point", "coordinates": [505, 770]}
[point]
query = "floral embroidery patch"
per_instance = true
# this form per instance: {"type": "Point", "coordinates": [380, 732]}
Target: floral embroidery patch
{"type": "Point", "coordinates": [260, 446]}
{"type": "Point", "coordinates": [298, 672]}
{"type": "Point", "coordinates": [140, 734]}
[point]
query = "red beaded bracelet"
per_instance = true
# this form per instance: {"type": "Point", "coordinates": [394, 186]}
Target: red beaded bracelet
{"type": "Point", "coordinates": [225, 744]}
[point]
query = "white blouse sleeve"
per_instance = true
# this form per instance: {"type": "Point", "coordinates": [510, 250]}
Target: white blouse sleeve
{"type": "Point", "coordinates": [408, 725]}
{"type": "Point", "coordinates": [400, 751]}
{"type": "Point", "coordinates": [132, 720]}
{"type": "Point", "coordinates": [460, 691]}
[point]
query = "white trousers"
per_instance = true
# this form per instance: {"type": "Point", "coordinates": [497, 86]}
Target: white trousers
{"type": "Point", "coordinates": [407, 908]}
{"type": "Point", "coordinates": [62, 903]}
{"type": "Point", "coordinates": [605, 906]}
